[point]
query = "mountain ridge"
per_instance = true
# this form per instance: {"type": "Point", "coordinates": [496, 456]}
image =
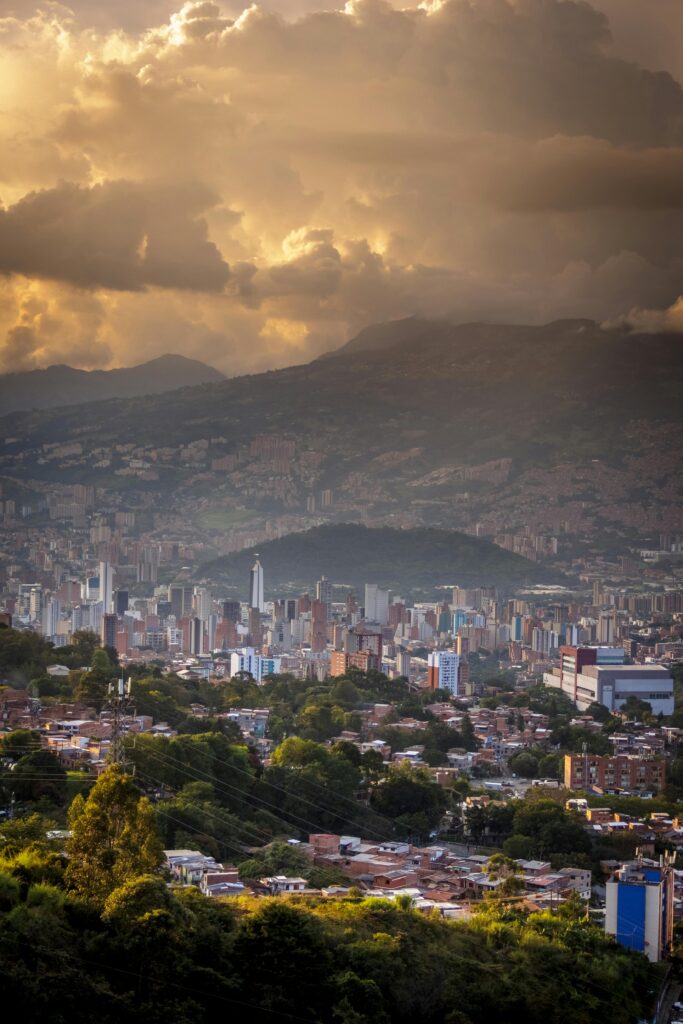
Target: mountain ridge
{"type": "Point", "coordinates": [60, 384]}
{"type": "Point", "coordinates": [504, 427]}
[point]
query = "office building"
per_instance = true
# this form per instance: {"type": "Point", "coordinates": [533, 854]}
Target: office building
{"type": "Point", "coordinates": [639, 908]}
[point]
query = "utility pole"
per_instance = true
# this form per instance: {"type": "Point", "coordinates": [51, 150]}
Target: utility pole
{"type": "Point", "coordinates": [584, 747]}
{"type": "Point", "coordinates": [121, 706]}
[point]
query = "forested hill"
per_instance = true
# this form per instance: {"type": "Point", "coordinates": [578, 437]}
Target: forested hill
{"type": "Point", "coordinates": [404, 560]}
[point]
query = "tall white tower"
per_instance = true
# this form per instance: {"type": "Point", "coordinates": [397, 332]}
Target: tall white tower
{"type": "Point", "coordinates": [107, 587]}
{"type": "Point", "coordinates": [256, 587]}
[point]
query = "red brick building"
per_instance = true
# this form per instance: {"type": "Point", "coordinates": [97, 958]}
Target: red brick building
{"type": "Point", "coordinates": [622, 771]}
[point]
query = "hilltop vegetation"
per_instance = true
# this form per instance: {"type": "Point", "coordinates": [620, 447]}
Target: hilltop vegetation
{"type": "Point", "coordinates": [404, 560]}
{"type": "Point", "coordinates": [96, 933]}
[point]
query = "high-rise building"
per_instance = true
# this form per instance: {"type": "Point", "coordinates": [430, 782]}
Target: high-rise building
{"type": "Point", "coordinates": [50, 617]}
{"type": "Point", "coordinates": [606, 628]}
{"type": "Point", "coordinates": [202, 603]}
{"type": "Point", "coordinates": [106, 594]}
{"type": "Point", "coordinates": [254, 628]}
{"type": "Point", "coordinates": [108, 629]}
{"type": "Point", "coordinates": [443, 671]}
{"type": "Point", "coordinates": [196, 636]}
{"type": "Point", "coordinates": [639, 907]}
{"type": "Point", "coordinates": [376, 604]}
{"type": "Point", "coordinates": [323, 592]}
{"type": "Point", "coordinates": [403, 663]}
{"type": "Point", "coordinates": [256, 599]}
{"type": "Point", "coordinates": [232, 611]}
{"type": "Point", "coordinates": [121, 602]}
{"type": "Point", "coordinates": [318, 626]}
{"type": "Point", "coordinates": [181, 598]}
{"type": "Point", "coordinates": [35, 603]}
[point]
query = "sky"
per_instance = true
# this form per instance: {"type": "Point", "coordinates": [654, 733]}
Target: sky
{"type": "Point", "coordinates": [251, 186]}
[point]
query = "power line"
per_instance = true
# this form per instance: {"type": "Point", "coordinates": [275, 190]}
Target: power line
{"type": "Point", "coordinates": [296, 796]}
{"type": "Point", "coordinates": [245, 797]}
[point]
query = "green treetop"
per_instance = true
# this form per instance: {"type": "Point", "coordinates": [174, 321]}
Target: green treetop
{"type": "Point", "coordinates": [113, 837]}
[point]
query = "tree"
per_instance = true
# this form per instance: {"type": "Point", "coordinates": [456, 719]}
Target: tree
{"type": "Point", "coordinates": [372, 763]}
{"type": "Point", "coordinates": [550, 827]}
{"type": "Point", "coordinates": [39, 774]}
{"type": "Point", "coordinates": [349, 750]}
{"type": "Point", "coordinates": [524, 764]}
{"type": "Point", "coordinates": [635, 708]}
{"type": "Point", "coordinates": [113, 837]}
{"type": "Point", "coordinates": [550, 766]}
{"type": "Point", "coordinates": [277, 859]}
{"type": "Point", "coordinates": [15, 744]}
{"type": "Point", "coordinates": [409, 796]}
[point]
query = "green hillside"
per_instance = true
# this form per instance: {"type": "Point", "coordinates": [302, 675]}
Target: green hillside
{"type": "Point", "coordinates": [405, 560]}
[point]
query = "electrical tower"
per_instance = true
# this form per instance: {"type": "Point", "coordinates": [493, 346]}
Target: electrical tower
{"type": "Point", "coordinates": [120, 705]}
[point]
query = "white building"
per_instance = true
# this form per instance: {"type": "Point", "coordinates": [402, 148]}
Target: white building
{"type": "Point", "coordinates": [443, 671]}
{"type": "Point", "coordinates": [256, 598]}
{"type": "Point", "coordinates": [376, 604]}
{"type": "Point", "coordinates": [107, 587]}
{"type": "Point", "coordinates": [247, 660]}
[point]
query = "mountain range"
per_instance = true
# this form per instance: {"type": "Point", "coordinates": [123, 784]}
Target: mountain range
{"type": "Point", "coordinates": [565, 427]}
{"type": "Point", "coordinates": [63, 385]}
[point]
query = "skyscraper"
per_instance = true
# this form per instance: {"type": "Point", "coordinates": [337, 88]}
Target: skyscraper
{"type": "Point", "coordinates": [108, 629]}
{"type": "Point", "coordinates": [107, 587]}
{"type": "Point", "coordinates": [202, 603]}
{"type": "Point", "coordinates": [256, 587]}
{"type": "Point", "coordinates": [323, 592]}
{"type": "Point", "coordinates": [50, 617]}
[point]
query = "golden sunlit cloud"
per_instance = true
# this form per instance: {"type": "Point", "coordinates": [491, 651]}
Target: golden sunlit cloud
{"type": "Point", "coordinates": [249, 188]}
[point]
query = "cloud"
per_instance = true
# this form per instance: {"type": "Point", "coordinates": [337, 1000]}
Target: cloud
{"type": "Point", "coordinates": [653, 321]}
{"type": "Point", "coordinates": [252, 186]}
{"type": "Point", "coordinates": [119, 235]}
